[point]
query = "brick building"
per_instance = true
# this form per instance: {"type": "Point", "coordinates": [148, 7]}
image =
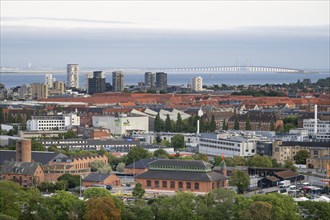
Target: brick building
{"type": "Point", "coordinates": [71, 165]}
{"type": "Point", "coordinates": [101, 179]}
{"type": "Point", "coordinates": [140, 166]}
{"type": "Point", "coordinates": [181, 175]}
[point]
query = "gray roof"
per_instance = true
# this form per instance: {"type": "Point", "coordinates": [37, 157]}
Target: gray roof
{"type": "Point", "coordinates": [97, 177]}
{"type": "Point", "coordinates": [305, 144]}
{"type": "Point", "coordinates": [141, 164]}
{"type": "Point", "coordinates": [14, 167]}
{"type": "Point", "coordinates": [43, 157]}
{"type": "Point", "coordinates": [182, 163]}
{"type": "Point", "coordinates": [181, 175]}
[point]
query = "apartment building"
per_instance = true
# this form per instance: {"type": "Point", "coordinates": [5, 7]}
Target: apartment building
{"type": "Point", "coordinates": [53, 122]}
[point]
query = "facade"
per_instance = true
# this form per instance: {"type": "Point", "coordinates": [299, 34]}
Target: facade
{"type": "Point", "coordinates": [26, 174]}
{"type": "Point", "coordinates": [161, 81]}
{"type": "Point", "coordinates": [39, 91]}
{"type": "Point", "coordinates": [181, 175]}
{"type": "Point", "coordinates": [122, 125]}
{"type": "Point", "coordinates": [101, 179]}
{"type": "Point", "coordinates": [197, 84]}
{"type": "Point", "coordinates": [94, 133]}
{"type": "Point", "coordinates": [319, 162]}
{"type": "Point", "coordinates": [150, 79]}
{"type": "Point", "coordinates": [71, 165]}
{"type": "Point", "coordinates": [96, 84]}
{"type": "Point", "coordinates": [229, 146]}
{"type": "Point", "coordinates": [118, 81]}
{"type": "Point", "coordinates": [286, 150]}
{"type": "Point", "coordinates": [58, 88]}
{"type": "Point", "coordinates": [25, 92]}
{"type": "Point", "coordinates": [49, 80]}
{"type": "Point", "coordinates": [53, 122]}
{"type": "Point", "coordinates": [322, 126]}
{"type": "Point", "coordinates": [72, 71]}
{"type": "Point", "coordinates": [190, 139]}
{"type": "Point", "coordinates": [114, 145]}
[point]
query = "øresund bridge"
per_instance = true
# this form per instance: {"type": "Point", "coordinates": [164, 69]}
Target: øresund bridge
{"type": "Point", "coordinates": [227, 69]}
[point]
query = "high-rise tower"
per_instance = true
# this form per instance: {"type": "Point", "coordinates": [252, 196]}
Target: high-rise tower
{"type": "Point", "coordinates": [150, 79]}
{"type": "Point", "coordinates": [161, 81]}
{"type": "Point", "coordinates": [96, 84]}
{"type": "Point", "coordinates": [197, 84]}
{"type": "Point", "coordinates": [117, 81]}
{"type": "Point", "coordinates": [72, 71]}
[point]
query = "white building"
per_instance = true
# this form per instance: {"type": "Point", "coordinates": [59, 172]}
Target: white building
{"type": "Point", "coordinates": [197, 84]}
{"type": "Point", "coordinates": [229, 146]}
{"type": "Point", "coordinates": [72, 72]}
{"type": "Point", "coordinates": [49, 80]}
{"type": "Point", "coordinates": [122, 125]}
{"type": "Point", "coordinates": [53, 122]}
{"type": "Point", "coordinates": [322, 126]}
{"type": "Point", "coordinates": [190, 139]}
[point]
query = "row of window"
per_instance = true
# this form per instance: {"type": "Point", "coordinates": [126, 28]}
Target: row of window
{"type": "Point", "coordinates": [217, 142]}
{"type": "Point", "coordinates": [173, 185]}
{"type": "Point", "coordinates": [217, 147]}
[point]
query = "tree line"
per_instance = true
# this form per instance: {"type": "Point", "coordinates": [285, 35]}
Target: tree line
{"type": "Point", "coordinates": [98, 203]}
{"type": "Point", "coordinates": [188, 125]}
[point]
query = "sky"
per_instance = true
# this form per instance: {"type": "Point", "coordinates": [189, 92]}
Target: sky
{"type": "Point", "coordinates": [130, 34]}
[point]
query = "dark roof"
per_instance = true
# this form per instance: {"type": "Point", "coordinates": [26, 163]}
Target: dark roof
{"type": "Point", "coordinates": [305, 144]}
{"type": "Point", "coordinates": [241, 168]}
{"type": "Point", "coordinates": [177, 163]}
{"type": "Point", "coordinates": [42, 157]}
{"type": "Point", "coordinates": [286, 174]}
{"type": "Point", "coordinates": [181, 175]}
{"type": "Point", "coordinates": [97, 177]}
{"type": "Point", "coordinates": [14, 167]}
{"type": "Point", "coordinates": [142, 164]}
{"type": "Point", "coordinates": [255, 116]}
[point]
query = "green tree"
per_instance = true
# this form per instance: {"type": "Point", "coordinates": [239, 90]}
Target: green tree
{"type": "Point", "coordinates": [240, 179]}
{"type": "Point", "coordinates": [260, 161]}
{"type": "Point", "coordinates": [216, 205]}
{"type": "Point", "coordinates": [272, 126]}
{"type": "Point", "coordinates": [161, 153]}
{"type": "Point", "coordinates": [137, 210]}
{"type": "Point", "coordinates": [236, 124]}
{"type": "Point", "coordinates": [283, 206]}
{"type": "Point", "coordinates": [168, 124]}
{"type": "Point", "coordinates": [37, 146]}
{"type": "Point", "coordinates": [179, 124]}
{"type": "Point", "coordinates": [158, 123]}
{"type": "Point", "coordinates": [200, 156]}
{"type": "Point", "coordinates": [248, 125]}
{"type": "Point", "coordinates": [212, 126]}
{"type": "Point", "coordinates": [102, 208]}
{"type": "Point", "coordinates": [258, 210]}
{"type": "Point", "coordinates": [136, 154]}
{"type": "Point", "coordinates": [2, 120]}
{"type": "Point", "coordinates": [290, 164]}
{"type": "Point", "coordinates": [72, 180]}
{"type": "Point", "coordinates": [138, 191]}
{"type": "Point", "coordinates": [121, 167]}
{"type": "Point", "coordinates": [177, 141]}
{"type": "Point", "coordinates": [52, 148]}
{"type": "Point", "coordinates": [301, 156]}
{"type": "Point", "coordinates": [94, 192]}
{"type": "Point", "coordinates": [100, 166]}
{"type": "Point", "coordinates": [315, 210]}
{"type": "Point", "coordinates": [65, 205]}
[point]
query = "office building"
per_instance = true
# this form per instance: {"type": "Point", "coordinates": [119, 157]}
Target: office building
{"type": "Point", "coordinates": [96, 84]}
{"type": "Point", "coordinates": [161, 81]}
{"type": "Point", "coordinates": [72, 72]}
{"type": "Point", "coordinates": [197, 84]}
{"type": "Point", "coordinates": [53, 122]}
{"type": "Point", "coordinates": [117, 81]}
{"type": "Point", "coordinates": [150, 79]}
{"type": "Point", "coordinates": [39, 91]}
{"type": "Point", "coordinates": [49, 80]}
{"type": "Point", "coordinates": [58, 88]}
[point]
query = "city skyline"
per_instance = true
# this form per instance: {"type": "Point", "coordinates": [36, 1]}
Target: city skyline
{"type": "Point", "coordinates": [165, 34]}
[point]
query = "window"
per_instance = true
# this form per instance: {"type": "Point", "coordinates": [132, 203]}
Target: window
{"type": "Point", "coordinates": [164, 184]}
{"type": "Point", "coordinates": [188, 185]}
{"type": "Point", "coordinates": [156, 184]}
{"type": "Point", "coordinates": [180, 185]}
{"type": "Point", "coordinates": [172, 184]}
{"type": "Point", "coordinates": [148, 183]}
{"type": "Point", "coordinates": [196, 185]}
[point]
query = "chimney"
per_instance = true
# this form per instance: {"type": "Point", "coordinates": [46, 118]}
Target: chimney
{"type": "Point", "coordinates": [197, 126]}
{"type": "Point", "coordinates": [315, 119]}
{"type": "Point", "coordinates": [23, 150]}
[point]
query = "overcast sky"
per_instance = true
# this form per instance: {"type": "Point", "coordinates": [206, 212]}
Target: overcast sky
{"type": "Point", "coordinates": [165, 34]}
